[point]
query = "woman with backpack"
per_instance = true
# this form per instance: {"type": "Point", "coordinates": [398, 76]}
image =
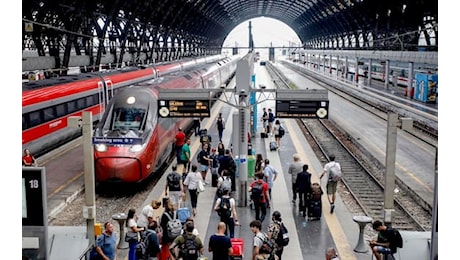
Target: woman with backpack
{"type": "Point", "coordinates": [165, 239]}
{"type": "Point", "coordinates": [275, 233]}
{"type": "Point", "coordinates": [278, 131]}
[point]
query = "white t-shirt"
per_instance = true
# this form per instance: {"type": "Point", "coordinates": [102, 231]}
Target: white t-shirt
{"type": "Point", "coordinates": [330, 164]}
{"type": "Point", "coordinates": [192, 179]}
{"type": "Point", "coordinates": [146, 212]}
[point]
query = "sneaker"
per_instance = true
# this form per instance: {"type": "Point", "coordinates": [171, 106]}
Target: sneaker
{"type": "Point", "coordinates": [332, 208]}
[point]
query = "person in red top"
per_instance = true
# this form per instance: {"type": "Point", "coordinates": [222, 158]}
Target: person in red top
{"type": "Point", "coordinates": [180, 140]}
{"type": "Point", "coordinates": [259, 196]}
{"type": "Point", "coordinates": [28, 159]}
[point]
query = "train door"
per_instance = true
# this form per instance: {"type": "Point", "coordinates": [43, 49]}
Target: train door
{"type": "Point", "coordinates": [105, 88]}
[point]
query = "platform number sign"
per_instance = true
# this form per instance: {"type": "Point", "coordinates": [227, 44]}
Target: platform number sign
{"type": "Point", "coordinates": [33, 196]}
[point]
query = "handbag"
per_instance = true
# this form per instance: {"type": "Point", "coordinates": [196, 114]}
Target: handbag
{"type": "Point", "coordinates": [131, 236]}
{"type": "Point", "coordinates": [201, 186]}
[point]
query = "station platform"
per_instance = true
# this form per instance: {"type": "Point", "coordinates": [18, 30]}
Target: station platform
{"type": "Point", "coordinates": [308, 239]}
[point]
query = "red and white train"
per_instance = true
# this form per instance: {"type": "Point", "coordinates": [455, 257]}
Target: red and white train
{"type": "Point", "coordinates": [46, 104]}
{"type": "Point", "coordinates": [133, 113]}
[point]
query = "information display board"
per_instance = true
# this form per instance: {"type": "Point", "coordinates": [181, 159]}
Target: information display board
{"type": "Point", "coordinates": [302, 109]}
{"type": "Point", "coordinates": [33, 187]}
{"type": "Point", "coordinates": [184, 108]}
{"type": "Point", "coordinates": [34, 214]}
{"type": "Point", "coordinates": [306, 103]}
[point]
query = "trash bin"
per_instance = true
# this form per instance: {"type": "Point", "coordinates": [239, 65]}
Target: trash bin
{"type": "Point", "coordinates": [251, 166]}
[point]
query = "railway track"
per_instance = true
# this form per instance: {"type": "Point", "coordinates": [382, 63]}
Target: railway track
{"type": "Point", "coordinates": [424, 127]}
{"type": "Point", "coordinates": [358, 179]}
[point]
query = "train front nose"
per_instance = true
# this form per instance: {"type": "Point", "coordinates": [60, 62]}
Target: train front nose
{"type": "Point", "coordinates": [118, 169]}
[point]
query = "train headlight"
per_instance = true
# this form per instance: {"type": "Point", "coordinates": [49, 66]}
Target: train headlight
{"type": "Point", "coordinates": [100, 147]}
{"type": "Point", "coordinates": [136, 148]}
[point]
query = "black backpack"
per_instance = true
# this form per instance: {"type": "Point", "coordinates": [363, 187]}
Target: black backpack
{"type": "Point", "coordinates": [189, 248]}
{"type": "Point", "coordinates": [225, 208]}
{"type": "Point", "coordinates": [267, 246]}
{"type": "Point", "coordinates": [283, 237]}
{"type": "Point", "coordinates": [256, 192]}
{"type": "Point", "coordinates": [281, 131]}
{"type": "Point", "coordinates": [173, 182]}
{"type": "Point", "coordinates": [397, 238]}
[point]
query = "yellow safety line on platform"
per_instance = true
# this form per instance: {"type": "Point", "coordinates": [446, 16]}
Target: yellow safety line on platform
{"type": "Point", "coordinates": [338, 235]}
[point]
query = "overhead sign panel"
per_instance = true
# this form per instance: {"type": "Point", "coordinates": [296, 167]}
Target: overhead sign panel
{"type": "Point", "coordinates": [302, 104]}
{"type": "Point", "coordinates": [184, 103]}
{"type": "Point", "coordinates": [117, 140]}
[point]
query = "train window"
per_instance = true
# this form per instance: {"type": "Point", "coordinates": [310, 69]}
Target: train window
{"type": "Point", "coordinates": [81, 104]}
{"type": "Point", "coordinates": [49, 114]}
{"type": "Point", "coordinates": [72, 106]}
{"type": "Point", "coordinates": [34, 118]}
{"type": "Point", "coordinates": [187, 77]}
{"type": "Point", "coordinates": [25, 125]}
{"type": "Point", "coordinates": [128, 118]}
{"type": "Point", "coordinates": [61, 110]}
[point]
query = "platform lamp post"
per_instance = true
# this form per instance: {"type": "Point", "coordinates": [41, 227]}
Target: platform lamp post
{"type": "Point", "coordinates": [392, 127]}
{"type": "Point", "coordinates": [89, 210]}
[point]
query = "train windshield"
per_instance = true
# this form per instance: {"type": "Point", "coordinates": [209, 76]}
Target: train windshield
{"type": "Point", "coordinates": [128, 120]}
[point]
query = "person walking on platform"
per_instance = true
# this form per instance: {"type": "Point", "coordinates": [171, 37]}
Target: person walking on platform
{"type": "Point", "coordinates": [175, 186]}
{"type": "Point", "coordinates": [260, 196]}
{"type": "Point", "coordinates": [271, 121]}
{"type": "Point", "coordinates": [191, 182]}
{"type": "Point", "coordinates": [187, 246]}
{"type": "Point", "coordinates": [131, 224]}
{"type": "Point", "coordinates": [278, 131]}
{"type": "Point", "coordinates": [331, 186]}
{"type": "Point", "coordinates": [228, 163]}
{"type": "Point", "coordinates": [106, 243]}
{"type": "Point", "coordinates": [225, 207]}
{"type": "Point", "coordinates": [295, 168]}
{"type": "Point", "coordinates": [258, 241]}
{"type": "Point", "coordinates": [220, 244]}
{"type": "Point", "coordinates": [303, 184]}
{"type": "Point", "coordinates": [265, 120]}
{"type": "Point", "coordinates": [273, 230]}
{"type": "Point", "coordinates": [179, 142]}
{"type": "Point", "coordinates": [214, 166]}
{"type": "Point", "coordinates": [147, 214]}
{"type": "Point", "coordinates": [196, 125]}
{"type": "Point", "coordinates": [220, 149]}
{"type": "Point", "coordinates": [220, 125]}
{"type": "Point", "coordinates": [205, 161]}
{"type": "Point", "coordinates": [186, 157]}
{"type": "Point", "coordinates": [331, 254]}
{"type": "Point", "coordinates": [270, 175]}
{"type": "Point", "coordinates": [165, 239]}
{"type": "Point", "coordinates": [259, 165]}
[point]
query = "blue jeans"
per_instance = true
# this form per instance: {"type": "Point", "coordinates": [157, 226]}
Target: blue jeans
{"type": "Point", "coordinates": [132, 251]}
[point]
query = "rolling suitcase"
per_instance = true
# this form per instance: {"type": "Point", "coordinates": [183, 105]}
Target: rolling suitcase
{"type": "Point", "coordinates": [183, 214]}
{"type": "Point", "coordinates": [273, 146]}
{"type": "Point", "coordinates": [263, 135]}
{"type": "Point", "coordinates": [314, 209]}
{"type": "Point", "coordinates": [238, 248]}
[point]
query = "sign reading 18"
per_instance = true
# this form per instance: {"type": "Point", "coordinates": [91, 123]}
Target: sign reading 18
{"type": "Point", "coordinates": [34, 184]}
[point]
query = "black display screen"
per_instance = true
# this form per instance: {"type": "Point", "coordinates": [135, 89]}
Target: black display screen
{"type": "Point", "coordinates": [33, 188]}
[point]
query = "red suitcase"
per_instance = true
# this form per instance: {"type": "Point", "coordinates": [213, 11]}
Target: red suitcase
{"type": "Point", "coordinates": [238, 248]}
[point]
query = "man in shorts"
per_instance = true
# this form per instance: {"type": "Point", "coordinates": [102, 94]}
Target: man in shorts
{"type": "Point", "coordinates": [331, 186]}
{"type": "Point", "coordinates": [175, 187]}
